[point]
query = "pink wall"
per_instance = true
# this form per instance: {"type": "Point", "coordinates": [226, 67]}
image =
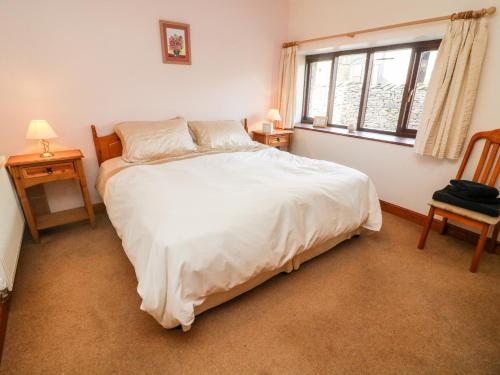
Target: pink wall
{"type": "Point", "coordinates": [74, 63]}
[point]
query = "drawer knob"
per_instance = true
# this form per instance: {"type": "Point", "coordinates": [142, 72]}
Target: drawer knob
{"type": "Point", "coordinates": [49, 170]}
{"type": "Point", "coordinates": [277, 139]}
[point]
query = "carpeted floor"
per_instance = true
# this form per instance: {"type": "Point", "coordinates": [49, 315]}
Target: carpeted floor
{"type": "Point", "coordinates": [374, 305]}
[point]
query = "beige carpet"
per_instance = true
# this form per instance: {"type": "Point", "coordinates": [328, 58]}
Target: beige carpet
{"type": "Point", "coordinates": [374, 305]}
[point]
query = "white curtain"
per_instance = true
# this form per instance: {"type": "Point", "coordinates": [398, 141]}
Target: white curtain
{"type": "Point", "coordinates": [286, 92]}
{"type": "Point", "coordinates": [452, 89]}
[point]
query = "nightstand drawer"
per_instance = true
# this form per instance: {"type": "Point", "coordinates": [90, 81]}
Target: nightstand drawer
{"type": "Point", "coordinates": [59, 170]}
{"type": "Point", "coordinates": [277, 140]}
{"type": "Point", "coordinates": [280, 139]}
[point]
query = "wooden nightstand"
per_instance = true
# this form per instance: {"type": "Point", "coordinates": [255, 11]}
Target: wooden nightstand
{"type": "Point", "coordinates": [31, 170]}
{"type": "Point", "coordinates": [281, 139]}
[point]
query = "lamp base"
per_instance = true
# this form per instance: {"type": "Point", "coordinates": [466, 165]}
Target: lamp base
{"type": "Point", "coordinates": [277, 125]}
{"type": "Point", "coordinates": [45, 148]}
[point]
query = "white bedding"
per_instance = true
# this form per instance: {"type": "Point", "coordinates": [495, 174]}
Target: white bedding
{"type": "Point", "coordinates": [202, 225]}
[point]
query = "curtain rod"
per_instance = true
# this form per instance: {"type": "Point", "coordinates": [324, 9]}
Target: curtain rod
{"type": "Point", "coordinates": [460, 15]}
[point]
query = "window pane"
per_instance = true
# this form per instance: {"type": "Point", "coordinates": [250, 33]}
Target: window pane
{"type": "Point", "coordinates": [425, 67]}
{"type": "Point", "coordinates": [319, 82]}
{"type": "Point", "coordinates": [347, 91]}
{"type": "Point", "coordinates": [387, 83]}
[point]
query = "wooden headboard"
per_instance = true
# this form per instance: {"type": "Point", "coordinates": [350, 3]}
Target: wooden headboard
{"type": "Point", "coordinates": [109, 146]}
{"type": "Point", "coordinates": [106, 147]}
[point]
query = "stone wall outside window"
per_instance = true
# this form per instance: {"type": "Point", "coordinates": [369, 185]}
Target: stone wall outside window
{"type": "Point", "coordinates": [382, 96]}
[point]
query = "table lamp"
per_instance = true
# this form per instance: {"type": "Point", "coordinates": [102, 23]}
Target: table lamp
{"type": "Point", "coordinates": [274, 116]}
{"type": "Point", "coordinates": [41, 130]}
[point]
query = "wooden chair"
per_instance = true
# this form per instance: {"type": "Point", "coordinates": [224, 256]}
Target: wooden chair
{"type": "Point", "coordinates": [487, 171]}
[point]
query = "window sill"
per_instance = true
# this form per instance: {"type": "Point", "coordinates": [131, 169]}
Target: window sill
{"type": "Point", "coordinates": [386, 138]}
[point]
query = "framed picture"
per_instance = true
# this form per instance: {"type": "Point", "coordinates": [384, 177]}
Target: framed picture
{"type": "Point", "coordinates": [175, 42]}
{"type": "Point", "coordinates": [320, 121]}
{"type": "Point", "coordinates": [267, 127]}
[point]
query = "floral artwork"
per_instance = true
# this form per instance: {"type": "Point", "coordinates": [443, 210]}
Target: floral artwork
{"type": "Point", "coordinates": [175, 43]}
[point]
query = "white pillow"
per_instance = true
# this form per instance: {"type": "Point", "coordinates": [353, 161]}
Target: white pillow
{"type": "Point", "coordinates": [151, 140]}
{"type": "Point", "coordinates": [219, 134]}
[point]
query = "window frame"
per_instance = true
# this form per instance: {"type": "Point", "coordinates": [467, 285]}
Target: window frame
{"type": "Point", "coordinates": [417, 48]}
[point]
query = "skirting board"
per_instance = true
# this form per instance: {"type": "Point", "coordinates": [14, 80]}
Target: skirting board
{"type": "Point", "coordinates": [452, 230]}
{"type": "Point", "coordinates": [4, 313]}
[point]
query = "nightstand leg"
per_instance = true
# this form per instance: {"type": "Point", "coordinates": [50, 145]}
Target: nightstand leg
{"type": "Point", "coordinates": [29, 217]}
{"type": "Point", "coordinates": [85, 192]}
{"type": "Point", "coordinates": [28, 214]}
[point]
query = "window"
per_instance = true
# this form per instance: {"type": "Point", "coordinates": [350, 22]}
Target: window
{"type": "Point", "coordinates": [425, 66]}
{"type": "Point", "coordinates": [319, 85]}
{"type": "Point", "coordinates": [347, 89]}
{"type": "Point", "coordinates": [378, 89]}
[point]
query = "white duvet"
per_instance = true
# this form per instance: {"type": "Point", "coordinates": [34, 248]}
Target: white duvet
{"type": "Point", "coordinates": [202, 225]}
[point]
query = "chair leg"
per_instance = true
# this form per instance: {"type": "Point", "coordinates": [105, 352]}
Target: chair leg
{"type": "Point", "coordinates": [444, 226]}
{"type": "Point", "coordinates": [426, 229]}
{"type": "Point", "coordinates": [479, 248]}
{"type": "Point", "coordinates": [493, 246]}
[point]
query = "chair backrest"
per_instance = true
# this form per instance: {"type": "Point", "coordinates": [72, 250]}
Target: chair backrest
{"type": "Point", "coordinates": [488, 165]}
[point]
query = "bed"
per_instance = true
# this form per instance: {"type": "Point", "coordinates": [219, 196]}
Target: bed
{"type": "Point", "coordinates": [206, 227]}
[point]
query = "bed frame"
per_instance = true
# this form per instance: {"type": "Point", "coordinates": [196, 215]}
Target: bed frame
{"type": "Point", "coordinates": [109, 146]}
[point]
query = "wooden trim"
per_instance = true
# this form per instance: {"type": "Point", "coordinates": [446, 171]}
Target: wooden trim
{"type": "Point", "coordinates": [492, 138]}
{"type": "Point", "coordinates": [35, 159]}
{"type": "Point", "coordinates": [409, 94]}
{"type": "Point", "coordinates": [460, 218]}
{"type": "Point", "coordinates": [411, 77]}
{"type": "Point", "coordinates": [367, 76]}
{"type": "Point", "coordinates": [407, 214]}
{"type": "Point", "coordinates": [467, 14]}
{"type": "Point", "coordinates": [4, 315]}
{"type": "Point", "coordinates": [331, 90]}
{"type": "Point", "coordinates": [305, 97]}
{"type": "Point", "coordinates": [289, 44]}
{"type": "Point", "coordinates": [106, 146]}
{"type": "Point", "coordinates": [437, 225]}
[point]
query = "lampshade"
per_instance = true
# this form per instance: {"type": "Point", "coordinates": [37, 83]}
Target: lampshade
{"type": "Point", "coordinates": [40, 129]}
{"type": "Point", "coordinates": [273, 115]}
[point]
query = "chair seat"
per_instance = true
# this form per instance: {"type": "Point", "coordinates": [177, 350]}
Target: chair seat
{"type": "Point", "coordinates": [465, 212]}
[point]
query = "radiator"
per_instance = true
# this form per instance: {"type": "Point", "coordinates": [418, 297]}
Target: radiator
{"type": "Point", "coordinates": [11, 230]}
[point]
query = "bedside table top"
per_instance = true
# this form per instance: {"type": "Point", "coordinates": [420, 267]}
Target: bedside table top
{"type": "Point", "coordinates": [275, 132]}
{"type": "Point", "coordinates": [17, 160]}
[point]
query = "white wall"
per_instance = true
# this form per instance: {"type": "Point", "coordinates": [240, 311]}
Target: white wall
{"type": "Point", "coordinates": [75, 63]}
{"type": "Point", "coordinates": [401, 177]}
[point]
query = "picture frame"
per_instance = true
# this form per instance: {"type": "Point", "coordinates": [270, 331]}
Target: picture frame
{"type": "Point", "coordinates": [267, 127]}
{"type": "Point", "coordinates": [320, 121]}
{"type": "Point", "coordinates": [175, 42]}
